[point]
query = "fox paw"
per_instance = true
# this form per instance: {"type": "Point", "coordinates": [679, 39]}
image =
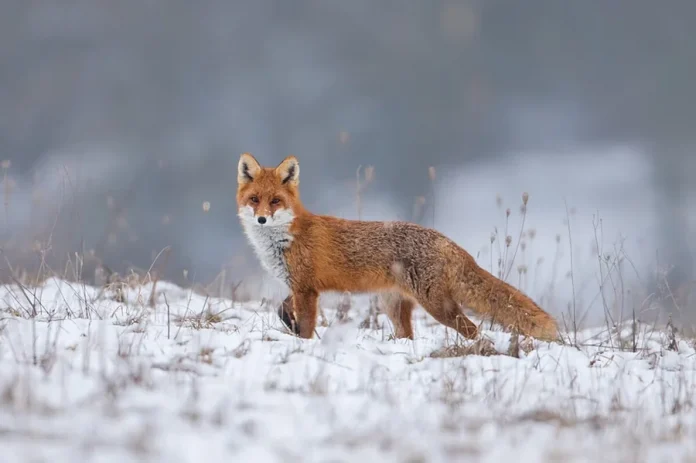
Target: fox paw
{"type": "Point", "coordinates": [288, 320]}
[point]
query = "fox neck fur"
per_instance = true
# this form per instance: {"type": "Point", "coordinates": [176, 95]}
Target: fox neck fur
{"type": "Point", "coordinates": [270, 240]}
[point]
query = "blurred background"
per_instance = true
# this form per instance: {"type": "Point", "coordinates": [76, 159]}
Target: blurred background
{"type": "Point", "coordinates": [121, 124]}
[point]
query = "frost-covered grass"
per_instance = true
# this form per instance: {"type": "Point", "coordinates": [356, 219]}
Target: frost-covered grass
{"type": "Point", "coordinates": [84, 377]}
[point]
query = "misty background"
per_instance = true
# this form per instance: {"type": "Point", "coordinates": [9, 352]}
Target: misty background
{"type": "Point", "coordinates": [120, 119]}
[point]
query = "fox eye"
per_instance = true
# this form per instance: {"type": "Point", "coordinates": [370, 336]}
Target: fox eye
{"type": "Point", "coordinates": [254, 199]}
{"type": "Point", "coordinates": [275, 200]}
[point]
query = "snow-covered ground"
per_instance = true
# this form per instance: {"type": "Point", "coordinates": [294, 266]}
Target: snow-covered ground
{"type": "Point", "coordinates": [91, 379]}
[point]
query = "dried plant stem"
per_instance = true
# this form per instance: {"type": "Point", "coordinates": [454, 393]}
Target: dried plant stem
{"type": "Point", "coordinates": [572, 276]}
{"type": "Point", "coordinates": [519, 238]}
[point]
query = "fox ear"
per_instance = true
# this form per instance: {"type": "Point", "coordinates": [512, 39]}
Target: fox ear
{"type": "Point", "coordinates": [247, 169]}
{"type": "Point", "coordinates": [289, 171]}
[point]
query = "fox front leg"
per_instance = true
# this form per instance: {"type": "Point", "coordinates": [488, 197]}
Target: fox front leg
{"type": "Point", "coordinates": [305, 303]}
{"type": "Point", "coordinates": [287, 316]}
{"type": "Point", "coordinates": [298, 312]}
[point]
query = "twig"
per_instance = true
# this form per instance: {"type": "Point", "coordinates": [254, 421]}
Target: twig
{"type": "Point", "coordinates": [166, 302]}
{"type": "Point", "coordinates": [572, 277]}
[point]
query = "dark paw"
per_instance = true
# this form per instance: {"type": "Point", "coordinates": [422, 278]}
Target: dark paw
{"type": "Point", "coordinates": [285, 315]}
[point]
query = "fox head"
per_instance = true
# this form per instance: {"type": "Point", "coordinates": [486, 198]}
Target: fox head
{"type": "Point", "coordinates": [267, 196]}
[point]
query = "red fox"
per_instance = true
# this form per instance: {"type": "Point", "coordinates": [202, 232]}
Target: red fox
{"type": "Point", "coordinates": [313, 253]}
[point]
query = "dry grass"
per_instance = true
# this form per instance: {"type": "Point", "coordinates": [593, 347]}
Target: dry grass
{"type": "Point", "coordinates": [479, 347]}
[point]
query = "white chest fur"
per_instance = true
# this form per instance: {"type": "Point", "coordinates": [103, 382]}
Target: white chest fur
{"type": "Point", "coordinates": [270, 241]}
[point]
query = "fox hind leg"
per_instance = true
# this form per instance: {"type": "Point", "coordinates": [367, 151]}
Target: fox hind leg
{"type": "Point", "coordinates": [448, 312]}
{"type": "Point", "coordinates": [399, 308]}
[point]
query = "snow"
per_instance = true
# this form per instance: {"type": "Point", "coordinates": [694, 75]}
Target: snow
{"type": "Point", "coordinates": [92, 379]}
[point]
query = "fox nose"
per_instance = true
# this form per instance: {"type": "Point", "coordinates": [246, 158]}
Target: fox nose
{"type": "Point", "coordinates": [261, 220]}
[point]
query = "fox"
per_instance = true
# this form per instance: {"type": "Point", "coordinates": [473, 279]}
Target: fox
{"type": "Point", "coordinates": [414, 265]}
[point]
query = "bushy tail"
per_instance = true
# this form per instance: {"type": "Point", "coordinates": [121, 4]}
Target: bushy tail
{"type": "Point", "coordinates": [502, 303]}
